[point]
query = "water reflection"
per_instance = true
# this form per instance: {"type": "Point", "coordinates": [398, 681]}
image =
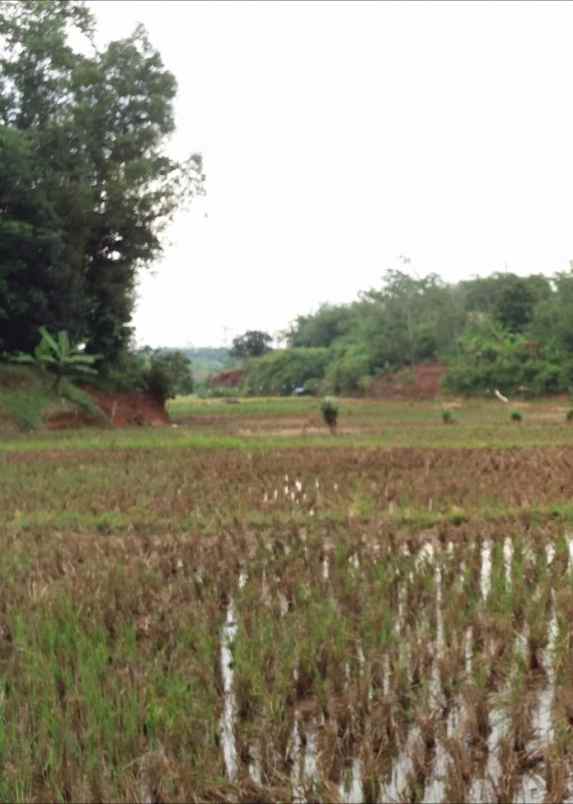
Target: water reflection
{"type": "Point", "coordinates": [229, 702]}
{"type": "Point", "coordinates": [463, 645]}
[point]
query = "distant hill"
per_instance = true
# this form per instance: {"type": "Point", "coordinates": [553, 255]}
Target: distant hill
{"type": "Point", "coordinates": [209, 360]}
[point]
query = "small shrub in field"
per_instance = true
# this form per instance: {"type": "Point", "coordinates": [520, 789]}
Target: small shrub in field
{"type": "Point", "coordinates": [457, 515]}
{"type": "Point", "coordinates": [329, 410]}
{"type": "Point", "coordinates": [569, 415]}
{"type": "Point", "coordinates": [447, 417]}
{"type": "Point", "coordinates": [516, 416]}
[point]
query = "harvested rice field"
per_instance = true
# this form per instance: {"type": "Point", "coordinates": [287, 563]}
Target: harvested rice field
{"type": "Point", "coordinates": [236, 610]}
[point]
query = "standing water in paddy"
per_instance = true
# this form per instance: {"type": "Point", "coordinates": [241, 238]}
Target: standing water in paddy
{"type": "Point", "coordinates": [456, 646]}
{"type": "Point", "coordinates": [229, 705]}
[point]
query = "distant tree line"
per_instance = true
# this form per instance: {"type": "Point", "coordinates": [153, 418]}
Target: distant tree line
{"type": "Point", "coordinates": [502, 331]}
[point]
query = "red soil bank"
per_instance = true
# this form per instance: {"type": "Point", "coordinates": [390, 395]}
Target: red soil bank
{"type": "Point", "coordinates": [121, 409]}
{"type": "Point", "coordinates": [423, 383]}
{"type": "Point", "coordinates": [227, 379]}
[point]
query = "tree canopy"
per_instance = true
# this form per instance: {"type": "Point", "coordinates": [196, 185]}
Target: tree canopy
{"type": "Point", "coordinates": [86, 187]}
{"type": "Point", "coordinates": [502, 330]}
{"type": "Point", "coordinates": [253, 343]}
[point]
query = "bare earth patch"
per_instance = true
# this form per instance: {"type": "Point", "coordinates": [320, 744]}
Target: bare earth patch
{"type": "Point", "coordinates": [130, 409]}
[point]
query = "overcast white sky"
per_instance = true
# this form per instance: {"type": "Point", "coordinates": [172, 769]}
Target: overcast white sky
{"type": "Point", "coordinates": [340, 135]}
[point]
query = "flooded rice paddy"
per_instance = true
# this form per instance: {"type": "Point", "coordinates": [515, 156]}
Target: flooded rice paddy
{"type": "Point", "coordinates": [360, 627]}
{"type": "Point", "coordinates": [422, 668]}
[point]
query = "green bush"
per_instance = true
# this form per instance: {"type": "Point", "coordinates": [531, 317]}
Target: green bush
{"type": "Point", "coordinates": [281, 371]}
{"type": "Point", "coordinates": [569, 415]}
{"type": "Point", "coordinates": [511, 373]}
{"type": "Point", "coordinates": [447, 417]}
{"type": "Point", "coordinates": [347, 370]}
{"type": "Point", "coordinates": [329, 411]}
{"type": "Point", "coordinates": [127, 373]}
{"type": "Point", "coordinates": [164, 374]}
{"type": "Point", "coordinates": [516, 416]}
{"type": "Point", "coordinates": [546, 378]}
{"type": "Point", "coordinates": [168, 375]}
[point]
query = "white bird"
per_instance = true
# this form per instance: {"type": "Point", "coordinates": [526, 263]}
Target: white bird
{"type": "Point", "coordinates": [501, 396]}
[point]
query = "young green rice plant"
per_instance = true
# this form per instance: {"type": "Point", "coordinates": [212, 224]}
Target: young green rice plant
{"type": "Point", "coordinates": [519, 585]}
{"type": "Point", "coordinates": [112, 669]}
{"type": "Point", "coordinates": [264, 670]}
{"type": "Point", "coordinates": [119, 681]}
{"type": "Point", "coordinates": [504, 786]}
{"type": "Point", "coordinates": [557, 773]}
{"type": "Point", "coordinates": [537, 637]}
{"type": "Point", "coordinates": [371, 787]}
{"type": "Point", "coordinates": [519, 706]}
{"type": "Point", "coordinates": [416, 778]}
{"type": "Point", "coordinates": [500, 602]}
{"type": "Point", "coordinates": [516, 416]}
{"type": "Point", "coordinates": [461, 769]}
{"type": "Point", "coordinates": [569, 416]}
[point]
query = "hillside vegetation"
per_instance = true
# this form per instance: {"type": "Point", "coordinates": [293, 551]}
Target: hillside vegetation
{"type": "Point", "coordinates": [28, 400]}
{"type": "Point", "coordinates": [502, 331]}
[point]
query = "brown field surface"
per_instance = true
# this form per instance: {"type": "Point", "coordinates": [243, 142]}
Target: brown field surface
{"type": "Point", "coordinates": [236, 610]}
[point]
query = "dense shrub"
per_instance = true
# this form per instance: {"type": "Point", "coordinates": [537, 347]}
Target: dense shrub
{"type": "Point", "coordinates": [283, 370]}
{"type": "Point", "coordinates": [329, 411]}
{"type": "Point", "coordinates": [168, 374]}
{"type": "Point", "coordinates": [346, 372]}
{"type": "Point", "coordinates": [127, 373]}
{"type": "Point", "coordinates": [165, 374]}
{"type": "Point", "coordinates": [490, 357]}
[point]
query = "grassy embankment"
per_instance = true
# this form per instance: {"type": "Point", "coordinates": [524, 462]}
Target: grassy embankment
{"type": "Point", "coordinates": [28, 399]}
{"type": "Point", "coordinates": [407, 588]}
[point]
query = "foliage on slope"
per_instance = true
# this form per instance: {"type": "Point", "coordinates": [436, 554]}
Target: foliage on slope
{"type": "Point", "coordinates": [501, 331]}
{"type": "Point", "coordinates": [29, 400]}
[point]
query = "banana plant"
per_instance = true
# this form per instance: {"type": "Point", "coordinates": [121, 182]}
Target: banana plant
{"type": "Point", "coordinates": [57, 355]}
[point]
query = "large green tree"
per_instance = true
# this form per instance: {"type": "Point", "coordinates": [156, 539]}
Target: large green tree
{"type": "Point", "coordinates": [410, 319]}
{"type": "Point", "coordinates": [509, 298]}
{"type": "Point", "coordinates": [86, 187]}
{"type": "Point", "coordinates": [323, 328]}
{"type": "Point", "coordinates": [252, 343]}
{"type": "Point", "coordinates": [31, 246]}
